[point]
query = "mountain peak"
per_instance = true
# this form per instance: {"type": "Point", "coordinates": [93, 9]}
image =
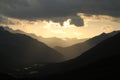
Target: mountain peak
{"type": "Point", "coordinates": [103, 33]}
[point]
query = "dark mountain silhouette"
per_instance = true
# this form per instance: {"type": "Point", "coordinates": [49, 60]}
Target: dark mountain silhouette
{"type": "Point", "coordinates": [74, 51]}
{"type": "Point", "coordinates": [17, 50]}
{"type": "Point", "coordinates": [100, 62]}
{"type": "Point", "coordinates": [4, 76]}
{"type": "Point", "coordinates": [51, 42]}
{"type": "Point", "coordinates": [71, 51]}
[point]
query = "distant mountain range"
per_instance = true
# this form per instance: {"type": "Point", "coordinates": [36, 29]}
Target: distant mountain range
{"type": "Point", "coordinates": [100, 62]}
{"type": "Point", "coordinates": [51, 42]}
{"type": "Point", "coordinates": [73, 51]}
{"type": "Point", "coordinates": [18, 49]}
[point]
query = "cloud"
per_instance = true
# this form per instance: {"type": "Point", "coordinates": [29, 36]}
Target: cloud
{"type": "Point", "coordinates": [56, 10]}
{"type": "Point", "coordinates": [93, 25]}
{"type": "Point", "coordinates": [1, 19]}
{"type": "Point", "coordinates": [75, 20]}
{"type": "Point", "coordinates": [4, 20]}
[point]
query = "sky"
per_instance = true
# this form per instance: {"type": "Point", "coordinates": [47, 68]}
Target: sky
{"type": "Point", "coordinates": [61, 18]}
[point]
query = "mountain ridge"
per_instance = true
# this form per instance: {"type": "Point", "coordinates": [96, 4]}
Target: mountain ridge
{"type": "Point", "coordinates": [51, 42]}
{"type": "Point", "coordinates": [19, 49]}
{"type": "Point", "coordinates": [100, 62]}
{"type": "Point", "coordinates": [77, 49]}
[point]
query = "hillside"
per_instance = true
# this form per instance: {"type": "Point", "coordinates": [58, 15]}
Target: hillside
{"type": "Point", "coordinates": [76, 50]}
{"type": "Point", "coordinates": [17, 50]}
{"type": "Point", "coordinates": [100, 62]}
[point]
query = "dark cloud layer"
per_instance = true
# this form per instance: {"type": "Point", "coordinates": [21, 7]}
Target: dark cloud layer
{"type": "Point", "coordinates": [76, 20]}
{"type": "Point", "coordinates": [54, 9]}
{"type": "Point", "coordinates": [3, 20]}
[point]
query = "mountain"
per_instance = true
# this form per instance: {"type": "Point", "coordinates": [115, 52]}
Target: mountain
{"type": "Point", "coordinates": [73, 51]}
{"type": "Point", "coordinates": [17, 50]}
{"type": "Point", "coordinates": [100, 62]}
{"type": "Point", "coordinates": [51, 42]}
{"type": "Point", "coordinates": [4, 76]}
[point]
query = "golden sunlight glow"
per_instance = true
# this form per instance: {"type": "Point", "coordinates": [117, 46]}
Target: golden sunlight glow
{"type": "Point", "coordinates": [93, 25]}
{"type": "Point", "coordinates": [67, 23]}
